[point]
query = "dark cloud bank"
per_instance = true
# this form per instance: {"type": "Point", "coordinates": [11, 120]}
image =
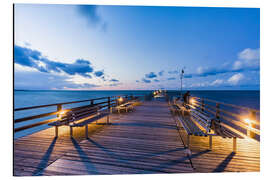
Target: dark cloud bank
{"type": "Point", "coordinates": [34, 59]}
{"type": "Point", "coordinates": [44, 78]}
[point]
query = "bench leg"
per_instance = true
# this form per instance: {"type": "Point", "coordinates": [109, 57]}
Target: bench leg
{"type": "Point", "coordinates": [108, 119]}
{"type": "Point", "coordinates": [234, 144]}
{"type": "Point", "coordinates": [210, 142]}
{"type": "Point", "coordinates": [56, 131]}
{"type": "Point", "coordinates": [71, 132]}
{"type": "Point", "coordinates": [86, 131]}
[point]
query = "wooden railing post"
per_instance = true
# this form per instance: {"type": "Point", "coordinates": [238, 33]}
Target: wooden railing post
{"type": "Point", "coordinates": [109, 103]}
{"type": "Point", "coordinates": [252, 125]}
{"type": "Point", "coordinates": [202, 104]}
{"type": "Point", "coordinates": [217, 111]}
{"type": "Point", "coordinates": [59, 108]}
{"type": "Point", "coordinates": [92, 102]}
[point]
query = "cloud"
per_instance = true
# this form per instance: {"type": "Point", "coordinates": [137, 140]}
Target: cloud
{"type": "Point", "coordinates": [89, 12]}
{"type": "Point", "coordinates": [217, 82]}
{"type": "Point", "coordinates": [34, 59]}
{"type": "Point", "coordinates": [27, 80]}
{"type": "Point", "coordinates": [248, 60]}
{"type": "Point", "coordinates": [92, 17]}
{"type": "Point", "coordinates": [171, 78]}
{"type": "Point", "coordinates": [115, 84]}
{"type": "Point", "coordinates": [173, 72]}
{"type": "Point", "coordinates": [114, 80]}
{"type": "Point", "coordinates": [27, 44]}
{"type": "Point", "coordinates": [161, 73]}
{"type": "Point", "coordinates": [99, 73]}
{"type": "Point", "coordinates": [146, 80]}
{"type": "Point", "coordinates": [249, 54]}
{"type": "Point", "coordinates": [150, 75]}
{"type": "Point", "coordinates": [235, 79]}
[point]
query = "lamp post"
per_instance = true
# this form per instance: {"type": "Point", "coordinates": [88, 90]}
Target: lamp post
{"type": "Point", "coordinates": [181, 77]}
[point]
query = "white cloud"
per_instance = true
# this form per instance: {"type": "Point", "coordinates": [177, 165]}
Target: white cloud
{"type": "Point", "coordinates": [200, 84]}
{"type": "Point", "coordinates": [235, 79]}
{"type": "Point", "coordinates": [18, 67]}
{"type": "Point", "coordinates": [247, 58]}
{"type": "Point", "coordinates": [217, 82]}
{"type": "Point", "coordinates": [238, 64]}
{"type": "Point", "coordinates": [249, 54]}
{"type": "Point", "coordinates": [200, 70]}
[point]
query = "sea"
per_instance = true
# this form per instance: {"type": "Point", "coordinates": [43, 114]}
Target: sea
{"type": "Point", "coordinates": [28, 98]}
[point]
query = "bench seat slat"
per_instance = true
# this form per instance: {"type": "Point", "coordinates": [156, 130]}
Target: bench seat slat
{"type": "Point", "coordinates": [92, 119]}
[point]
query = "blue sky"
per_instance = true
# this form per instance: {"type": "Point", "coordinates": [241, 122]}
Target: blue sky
{"type": "Point", "coordinates": [136, 47]}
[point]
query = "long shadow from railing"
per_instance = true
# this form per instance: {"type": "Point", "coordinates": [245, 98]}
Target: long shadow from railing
{"type": "Point", "coordinates": [45, 159]}
{"type": "Point", "coordinates": [160, 167]}
{"type": "Point", "coordinates": [113, 155]}
{"type": "Point", "coordinates": [222, 166]}
{"type": "Point", "coordinates": [179, 161]}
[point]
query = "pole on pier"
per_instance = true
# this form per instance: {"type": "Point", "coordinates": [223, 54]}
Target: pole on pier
{"type": "Point", "coordinates": [181, 78]}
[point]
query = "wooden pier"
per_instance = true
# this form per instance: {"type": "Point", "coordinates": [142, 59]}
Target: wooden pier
{"type": "Point", "coordinates": [145, 141]}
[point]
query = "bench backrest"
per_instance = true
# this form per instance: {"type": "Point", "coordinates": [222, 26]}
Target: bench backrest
{"type": "Point", "coordinates": [76, 114]}
{"type": "Point", "coordinates": [199, 117]}
{"type": "Point", "coordinates": [203, 119]}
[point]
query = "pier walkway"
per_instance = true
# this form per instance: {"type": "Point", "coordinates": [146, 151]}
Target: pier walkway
{"type": "Point", "coordinates": [140, 142]}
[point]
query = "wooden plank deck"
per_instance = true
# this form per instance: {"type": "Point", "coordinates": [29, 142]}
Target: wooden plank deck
{"type": "Point", "coordinates": [145, 141]}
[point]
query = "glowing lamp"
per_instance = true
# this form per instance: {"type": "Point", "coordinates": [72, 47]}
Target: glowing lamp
{"type": "Point", "coordinates": [61, 113]}
{"type": "Point", "coordinates": [120, 99]}
{"type": "Point", "coordinates": [247, 121]}
{"type": "Point", "coordinates": [192, 101]}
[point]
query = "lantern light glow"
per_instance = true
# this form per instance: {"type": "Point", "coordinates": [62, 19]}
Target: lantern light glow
{"type": "Point", "coordinates": [247, 121]}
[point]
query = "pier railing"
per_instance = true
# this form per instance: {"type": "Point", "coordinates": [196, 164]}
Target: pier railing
{"type": "Point", "coordinates": [103, 102]}
{"type": "Point", "coordinates": [242, 120]}
{"type": "Point", "coordinates": [237, 118]}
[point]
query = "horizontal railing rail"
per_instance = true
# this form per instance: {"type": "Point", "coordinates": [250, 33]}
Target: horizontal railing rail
{"type": "Point", "coordinates": [106, 103]}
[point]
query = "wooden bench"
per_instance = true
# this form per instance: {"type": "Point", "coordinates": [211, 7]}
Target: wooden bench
{"type": "Point", "coordinates": [190, 127]}
{"type": "Point", "coordinates": [79, 117]}
{"type": "Point", "coordinates": [126, 107]}
{"type": "Point", "coordinates": [196, 122]}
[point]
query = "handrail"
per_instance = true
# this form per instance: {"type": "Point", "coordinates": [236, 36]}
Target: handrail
{"type": "Point", "coordinates": [71, 102]}
{"type": "Point", "coordinates": [247, 123]}
{"type": "Point", "coordinates": [227, 104]}
{"type": "Point", "coordinates": [109, 101]}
